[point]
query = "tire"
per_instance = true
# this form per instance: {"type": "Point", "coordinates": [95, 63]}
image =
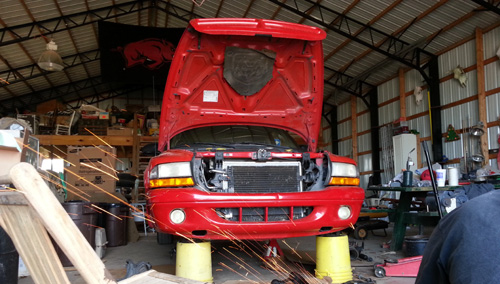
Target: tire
{"type": "Point", "coordinates": [360, 233]}
{"type": "Point", "coordinates": [379, 272]}
{"type": "Point", "coordinates": [391, 260]}
{"type": "Point", "coordinates": [353, 254]}
{"type": "Point", "coordinates": [163, 239]}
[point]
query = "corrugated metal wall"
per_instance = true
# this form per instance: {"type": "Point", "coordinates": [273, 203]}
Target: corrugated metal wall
{"type": "Point", "coordinates": [459, 116]}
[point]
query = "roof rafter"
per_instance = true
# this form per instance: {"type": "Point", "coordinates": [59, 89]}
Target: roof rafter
{"type": "Point", "coordinates": [30, 30]}
{"type": "Point", "coordinates": [380, 15]}
{"type": "Point", "coordinates": [176, 11]}
{"type": "Point", "coordinates": [391, 48]}
{"type": "Point", "coordinates": [13, 75]}
{"type": "Point", "coordinates": [340, 80]}
{"type": "Point", "coordinates": [490, 6]}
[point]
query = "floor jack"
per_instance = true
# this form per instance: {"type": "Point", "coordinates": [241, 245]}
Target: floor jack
{"type": "Point", "coordinates": [404, 267]}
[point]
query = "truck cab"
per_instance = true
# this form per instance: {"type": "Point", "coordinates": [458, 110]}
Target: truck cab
{"type": "Point", "coordinates": [239, 129]}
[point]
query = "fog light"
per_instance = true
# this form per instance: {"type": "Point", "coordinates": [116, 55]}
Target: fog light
{"type": "Point", "coordinates": [177, 216]}
{"type": "Point", "coordinates": [344, 212]}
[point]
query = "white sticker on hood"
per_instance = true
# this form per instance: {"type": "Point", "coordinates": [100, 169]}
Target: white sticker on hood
{"type": "Point", "coordinates": [210, 96]}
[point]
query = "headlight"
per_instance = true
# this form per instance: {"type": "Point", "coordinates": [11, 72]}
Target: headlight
{"type": "Point", "coordinates": [344, 174]}
{"type": "Point", "coordinates": [171, 175]}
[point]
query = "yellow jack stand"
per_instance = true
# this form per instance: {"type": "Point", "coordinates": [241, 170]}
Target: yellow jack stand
{"type": "Point", "coordinates": [194, 261]}
{"type": "Point", "coordinates": [333, 259]}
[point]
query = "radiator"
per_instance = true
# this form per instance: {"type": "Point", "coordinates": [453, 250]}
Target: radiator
{"type": "Point", "coordinates": [263, 177]}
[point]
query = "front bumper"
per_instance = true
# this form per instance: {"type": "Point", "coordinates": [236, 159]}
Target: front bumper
{"type": "Point", "coordinates": [203, 222]}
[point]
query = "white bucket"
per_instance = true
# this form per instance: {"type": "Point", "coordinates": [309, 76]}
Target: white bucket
{"type": "Point", "coordinates": [441, 177]}
{"type": "Point", "coordinates": [453, 176]}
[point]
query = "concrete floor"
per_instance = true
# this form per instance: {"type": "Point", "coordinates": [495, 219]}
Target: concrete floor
{"type": "Point", "coordinates": [240, 262]}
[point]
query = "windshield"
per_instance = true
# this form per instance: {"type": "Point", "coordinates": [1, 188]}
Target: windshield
{"type": "Point", "coordinates": [232, 136]}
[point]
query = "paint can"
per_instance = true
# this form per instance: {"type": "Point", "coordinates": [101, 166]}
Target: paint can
{"type": "Point", "coordinates": [407, 178]}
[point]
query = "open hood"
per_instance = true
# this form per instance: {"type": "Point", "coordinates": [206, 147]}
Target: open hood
{"type": "Point", "coordinates": [245, 72]}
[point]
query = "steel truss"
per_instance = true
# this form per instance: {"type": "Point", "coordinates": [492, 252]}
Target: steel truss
{"type": "Point", "coordinates": [54, 25]}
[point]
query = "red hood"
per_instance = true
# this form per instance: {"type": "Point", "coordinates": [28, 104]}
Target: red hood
{"type": "Point", "coordinates": [218, 76]}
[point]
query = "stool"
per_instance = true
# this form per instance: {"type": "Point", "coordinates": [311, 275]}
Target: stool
{"type": "Point", "coordinates": [139, 215]}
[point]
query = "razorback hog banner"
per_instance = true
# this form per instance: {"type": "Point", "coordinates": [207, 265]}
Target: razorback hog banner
{"type": "Point", "coordinates": [135, 54]}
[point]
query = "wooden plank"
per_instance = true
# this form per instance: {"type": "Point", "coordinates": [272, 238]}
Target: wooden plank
{"type": "Point", "coordinates": [12, 198]}
{"type": "Point", "coordinates": [59, 224]}
{"type": "Point", "coordinates": [84, 140]}
{"type": "Point", "coordinates": [32, 242]}
{"type": "Point", "coordinates": [402, 95]}
{"type": "Point", "coordinates": [481, 94]}
{"type": "Point", "coordinates": [135, 151]}
{"type": "Point", "coordinates": [354, 128]}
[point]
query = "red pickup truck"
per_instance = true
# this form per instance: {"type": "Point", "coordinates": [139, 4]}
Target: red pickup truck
{"type": "Point", "coordinates": [239, 130]}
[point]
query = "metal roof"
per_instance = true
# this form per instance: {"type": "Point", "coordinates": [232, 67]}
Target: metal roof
{"type": "Point", "coordinates": [367, 41]}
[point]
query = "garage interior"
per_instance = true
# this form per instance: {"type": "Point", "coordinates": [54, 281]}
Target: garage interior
{"type": "Point", "coordinates": [407, 84]}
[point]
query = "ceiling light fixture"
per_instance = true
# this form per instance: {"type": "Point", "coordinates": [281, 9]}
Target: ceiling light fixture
{"type": "Point", "coordinates": [50, 60]}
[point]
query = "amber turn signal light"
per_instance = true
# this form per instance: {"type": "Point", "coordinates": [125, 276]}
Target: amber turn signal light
{"type": "Point", "coordinates": [171, 182]}
{"type": "Point", "coordinates": [344, 181]}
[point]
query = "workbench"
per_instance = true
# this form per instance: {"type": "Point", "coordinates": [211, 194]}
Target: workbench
{"type": "Point", "coordinates": [403, 215]}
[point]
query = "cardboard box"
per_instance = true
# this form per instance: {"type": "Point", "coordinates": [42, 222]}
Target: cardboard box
{"type": "Point", "coordinates": [89, 187]}
{"type": "Point", "coordinates": [64, 120]}
{"type": "Point", "coordinates": [103, 115]}
{"type": "Point", "coordinates": [90, 114]}
{"type": "Point", "coordinates": [153, 131]}
{"type": "Point", "coordinates": [48, 106]}
{"type": "Point", "coordinates": [91, 170]}
{"type": "Point", "coordinates": [120, 131]}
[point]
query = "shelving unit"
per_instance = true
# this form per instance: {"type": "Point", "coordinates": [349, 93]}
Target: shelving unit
{"type": "Point", "coordinates": [142, 161]}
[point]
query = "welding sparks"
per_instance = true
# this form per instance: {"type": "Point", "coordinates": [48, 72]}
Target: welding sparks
{"type": "Point", "coordinates": [237, 252]}
{"type": "Point", "coordinates": [352, 226]}
{"type": "Point", "coordinates": [223, 264]}
{"type": "Point", "coordinates": [93, 205]}
{"type": "Point", "coordinates": [100, 139]}
{"type": "Point", "coordinates": [293, 250]}
{"type": "Point", "coordinates": [99, 170]}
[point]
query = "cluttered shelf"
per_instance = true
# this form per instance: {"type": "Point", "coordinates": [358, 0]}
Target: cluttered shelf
{"type": "Point", "coordinates": [85, 140]}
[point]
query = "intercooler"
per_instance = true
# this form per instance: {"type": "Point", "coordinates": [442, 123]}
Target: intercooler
{"type": "Point", "coordinates": [263, 177]}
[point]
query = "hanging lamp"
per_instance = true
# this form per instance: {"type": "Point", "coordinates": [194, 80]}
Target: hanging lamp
{"type": "Point", "coordinates": [50, 60]}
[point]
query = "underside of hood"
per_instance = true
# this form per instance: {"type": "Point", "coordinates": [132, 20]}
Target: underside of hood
{"type": "Point", "coordinates": [245, 72]}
